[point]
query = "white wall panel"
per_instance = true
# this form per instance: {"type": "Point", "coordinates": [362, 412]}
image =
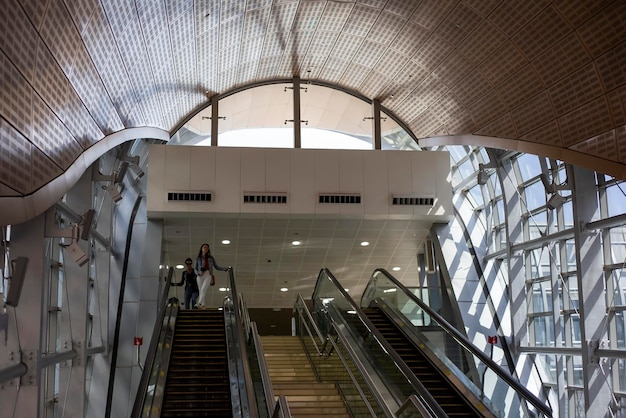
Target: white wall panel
{"type": "Point", "coordinates": [227, 189]}
{"type": "Point", "coordinates": [302, 174]}
{"type": "Point", "coordinates": [376, 184]}
{"type": "Point", "coordinates": [302, 196]}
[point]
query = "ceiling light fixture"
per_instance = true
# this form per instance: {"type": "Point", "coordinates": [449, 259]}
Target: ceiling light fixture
{"type": "Point", "coordinates": [296, 242]}
{"type": "Point", "coordinates": [396, 268]}
{"type": "Point", "coordinates": [283, 289]}
{"type": "Point", "coordinates": [364, 244]}
{"type": "Point", "coordinates": [225, 241]}
{"type": "Point", "coordinates": [179, 266]}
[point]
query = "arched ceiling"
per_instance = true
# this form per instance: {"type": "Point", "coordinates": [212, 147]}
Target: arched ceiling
{"type": "Point", "coordinates": [74, 72]}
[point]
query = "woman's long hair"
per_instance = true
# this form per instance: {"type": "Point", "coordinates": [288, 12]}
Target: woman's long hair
{"type": "Point", "coordinates": [208, 253]}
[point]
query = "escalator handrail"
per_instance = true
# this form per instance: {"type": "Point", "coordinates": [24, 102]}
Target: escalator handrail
{"type": "Point", "coordinates": [265, 374]}
{"type": "Point", "coordinates": [299, 307]}
{"type": "Point", "coordinates": [142, 389]}
{"type": "Point", "coordinates": [466, 343]}
{"type": "Point", "coordinates": [357, 362]}
{"type": "Point", "coordinates": [408, 374]}
{"type": "Point", "coordinates": [243, 352]}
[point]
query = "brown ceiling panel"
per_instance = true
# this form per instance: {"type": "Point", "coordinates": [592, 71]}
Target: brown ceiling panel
{"type": "Point", "coordinates": [603, 145]}
{"type": "Point", "coordinates": [548, 134]}
{"type": "Point", "coordinates": [586, 122]}
{"type": "Point", "coordinates": [531, 114]}
{"type": "Point", "coordinates": [502, 64]}
{"type": "Point", "coordinates": [605, 30]}
{"type": "Point", "coordinates": [502, 127]}
{"type": "Point", "coordinates": [520, 87]}
{"type": "Point", "coordinates": [541, 33]}
{"type": "Point", "coordinates": [15, 159]}
{"type": "Point", "coordinates": [512, 16]}
{"type": "Point", "coordinates": [561, 59]}
{"type": "Point", "coordinates": [580, 87]}
{"type": "Point", "coordinates": [612, 67]}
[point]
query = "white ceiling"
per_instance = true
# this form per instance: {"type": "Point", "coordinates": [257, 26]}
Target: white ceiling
{"type": "Point", "coordinates": [265, 261]}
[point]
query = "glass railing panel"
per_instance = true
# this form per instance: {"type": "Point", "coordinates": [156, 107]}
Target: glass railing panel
{"type": "Point", "coordinates": [412, 409]}
{"type": "Point", "coordinates": [259, 373]}
{"type": "Point", "coordinates": [472, 371]}
{"type": "Point", "coordinates": [332, 362]}
{"type": "Point", "coordinates": [281, 409]}
{"type": "Point", "coordinates": [158, 371]}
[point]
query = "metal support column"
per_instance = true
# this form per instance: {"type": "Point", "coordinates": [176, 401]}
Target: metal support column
{"type": "Point", "coordinates": [215, 113]}
{"type": "Point", "coordinates": [297, 122]}
{"type": "Point", "coordinates": [376, 126]}
{"type": "Point", "coordinates": [591, 294]}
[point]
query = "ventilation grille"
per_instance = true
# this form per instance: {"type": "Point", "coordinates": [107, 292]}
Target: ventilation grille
{"type": "Point", "coordinates": [410, 200]}
{"type": "Point", "coordinates": [188, 197]}
{"type": "Point", "coordinates": [271, 198]}
{"type": "Point", "coordinates": [350, 199]}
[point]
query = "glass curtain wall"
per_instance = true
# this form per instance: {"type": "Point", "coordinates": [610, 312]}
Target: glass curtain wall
{"type": "Point", "coordinates": [549, 267]}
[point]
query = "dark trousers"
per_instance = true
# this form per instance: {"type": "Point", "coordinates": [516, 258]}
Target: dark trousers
{"type": "Point", "coordinates": [191, 297]}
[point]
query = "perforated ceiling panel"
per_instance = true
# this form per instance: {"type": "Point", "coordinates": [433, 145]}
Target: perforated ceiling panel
{"type": "Point", "coordinates": [538, 72]}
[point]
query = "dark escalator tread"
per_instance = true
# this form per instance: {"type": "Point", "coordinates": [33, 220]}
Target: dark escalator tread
{"type": "Point", "coordinates": [447, 397]}
{"type": "Point", "coordinates": [197, 382]}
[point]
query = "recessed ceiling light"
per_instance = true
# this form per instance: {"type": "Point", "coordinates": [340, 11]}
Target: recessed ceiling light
{"type": "Point", "coordinates": [224, 289]}
{"type": "Point", "coordinates": [283, 289]}
{"type": "Point", "coordinates": [296, 242]}
{"type": "Point", "coordinates": [180, 266]}
{"type": "Point", "coordinates": [225, 241]}
{"type": "Point", "coordinates": [364, 244]}
{"type": "Point", "coordinates": [396, 268]}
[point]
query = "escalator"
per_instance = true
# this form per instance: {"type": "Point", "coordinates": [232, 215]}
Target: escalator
{"type": "Point", "coordinates": [197, 364]}
{"type": "Point", "coordinates": [444, 393]}
{"type": "Point", "coordinates": [414, 351]}
{"type": "Point", "coordinates": [197, 383]}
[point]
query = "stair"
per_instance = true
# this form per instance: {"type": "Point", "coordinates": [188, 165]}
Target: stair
{"type": "Point", "coordinates": [452, 403]}
{"type": "Point", "coordinates": [197, 378]}
{"type": "Point", "coordinates": [292, 376]}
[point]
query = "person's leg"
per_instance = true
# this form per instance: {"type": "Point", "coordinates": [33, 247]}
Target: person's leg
{"type": "Point", "coordinates": [201, 282]}
{"type": "Point", "coordinates": [194, 298]}
{"type": "Point", "coordinates": [187, 297]}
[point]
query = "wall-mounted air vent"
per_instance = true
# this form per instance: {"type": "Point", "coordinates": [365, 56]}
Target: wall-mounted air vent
{"type": "Point", "coordinates": [271, 198]}
{"type": "Point", "coordinates": [412, 200]}
{"type": "Point", "coordinates": [350, 199]}
{"type": "Point", "coordinates": [188, 197]}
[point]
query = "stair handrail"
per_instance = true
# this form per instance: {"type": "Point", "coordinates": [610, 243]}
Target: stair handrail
{"type": "Point", "coordinates": [464, 342]}
{"type": "Point", "coordinates": [142, 389]}
{"type": "Point", "coordinates": [429, 400]}
{"type": "Point", "coordinates": [265, 374]}
{"type": "Point", "coordinates": [300, 302]}
{"type": "Point", "coordinates": [243, 364]}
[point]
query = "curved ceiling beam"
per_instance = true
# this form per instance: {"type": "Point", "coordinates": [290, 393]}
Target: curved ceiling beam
{"type": "Point", "coordinates": [599, 164]}
{"type": "Point", "coordinates": [19, 209]}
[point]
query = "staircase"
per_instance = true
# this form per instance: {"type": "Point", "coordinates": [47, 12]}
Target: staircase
{"type": "Point", "coordinates": [197, 378]}
{"type": "Point", "coordinates": [452, 403]}
{"type": "Point", "coordinates": [292, 376]}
